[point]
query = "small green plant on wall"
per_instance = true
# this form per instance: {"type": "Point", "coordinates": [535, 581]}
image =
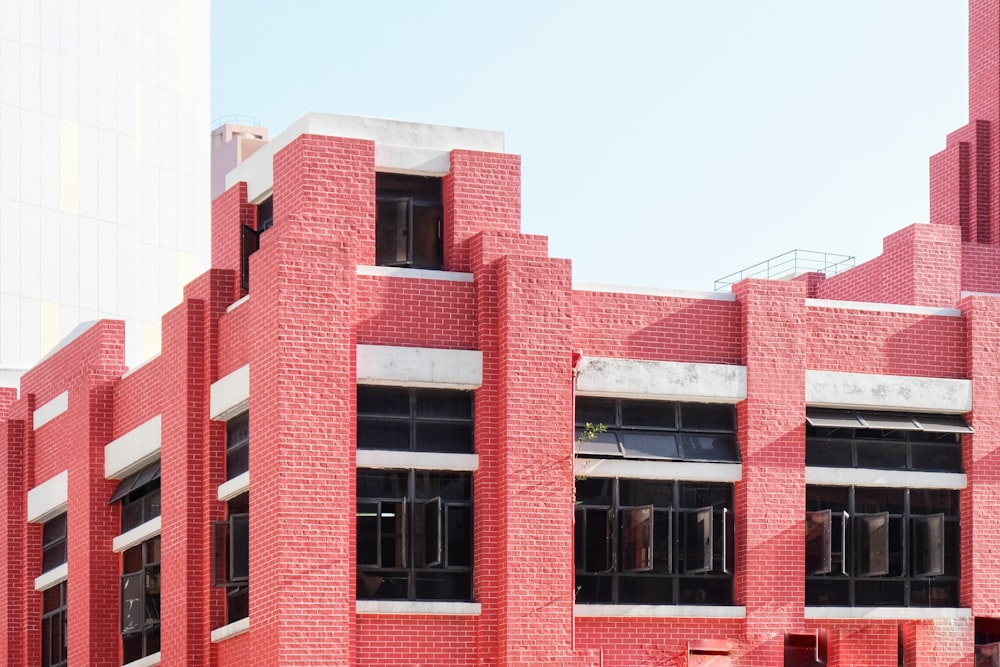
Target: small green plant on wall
{"type": "Point", "coordinates": [591, 431]}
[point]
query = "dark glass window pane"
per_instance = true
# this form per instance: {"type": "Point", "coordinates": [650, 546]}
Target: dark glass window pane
{"type": "Point", "coordinates": [633, 492]}
{"type": "Point", "coordinates": [237, 603]}
{"type": "Point", "coordinates": [238, 430]}
{"type": "Point", "coordinates": [827, 497]}
{"type": "Point", "coordinates": [593, 589]}
{"type": "Point", "coordinates": [880, 593]}
{"type": "Point", "coordinates": [444, 437]}
{"type": "Point", "coordinates": [54, 556]}
{"type": "Point", "coordinates": [367, 527]}
{"type": "Point", "coordinates": [381, 484]}
{"type": "Point", "coordinates": [819, 542]}
{"type": "Point", "coordinates": [651, 414]}
{"type": "Point", "coordinates": [707, 417]}
{"type": "Point", "coordinates": [52, 598]}
{"type": "Point", "coordinates": [383, 400]}
{"type": "Point", "coordinates": [382, 434]}
{"type": "Point", "coordinates": [886, 455]}
{"type": "Point", "coordinates": [828, 452]}
{"type": "Point", "coordinates": [459, 522]}
{"type": "Point", "coordinates": [934, 501]}
{"type": "Point", "coordinates": [441, 585]}
{"type": "Point", "coordinates": [638, 589]}
{"type": "Point", "coordinates": [54, 529]}
{"type": "Point", "coordinates": [237, 461]}
{"type": "Point", "coordinates": [694, 495]}
{"type": "Point", "coordinates": [943, 457]}
{"type": "Point", "coordinates": [706, 590]}
{"type": "Point", "coordinates": [595, 411]}
{"type": "Point", "coordinates": [934, 593]}
{"type": "Point", "coordinates": [444, 404]}
{"type": "Point", "coordinates": [392, 220]}
{"type": "Point", "coordinates": [131, 515]}
{"type": "Point", "coordinates": [447, 485]}
{"type": "Point", "coordinates": [131, 647]}
{"type": "Point", "coordinates": [427, 223]}
{"type": "Point", "coordinates": [870, 500]}
{"type": "Point", "coordinates": [602, 444]}
{"type": "Point", "coordinates": [594, 491]}
{"type": "Point", "coordinates": [650, 444]}
{"type": "Point", "coordinates": [710, 447]}
{"type": "Point", "coordinates": [828, 592]}
{"type": "Point", "coordinates": [240, 541]}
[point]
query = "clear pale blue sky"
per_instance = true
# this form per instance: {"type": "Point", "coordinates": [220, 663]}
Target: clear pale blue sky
{"type": "Point", "coordinates": [664, 144]}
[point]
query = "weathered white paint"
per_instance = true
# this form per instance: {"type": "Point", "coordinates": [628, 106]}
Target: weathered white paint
{"type": "Point", "coordinates": [883, 307]}
{"type": "Point", "coordinates": [230, 395]}
{"type": "Point", "coordinates": [419, 367]}
{"type": "Point", "coordinates": [48, 579]}
{"type": "Point", "coordinates": [384, 458]}
{"type": "Point", "coordinates": [133, 451]}
{"type": "Point", "coordinates": [48, 499]}
{"type": "Point", "coordinates": [686, 470]}
{"type": "Point", "coordinates": [399, 146]}
{"type": "Point", "coordinates": [653, 291]}
{"type": "Point", "coordinates": [664, 380]}
{"type": "Point", "coordinates": [231, 630]}
{"type": "Point", "coordinates": [888, 392]}
{"type": "Point", "coordinates": [408, 607]}
{"type": "Point", "coordinates": [888, 613]}
{"type": "Point", "coordinates": [235, 486]}
{"type": "Point", "coordinates": [413, 274]}
{"type": "Point", "coordinates": [49, 411]}
{"type": "Point", "coordinates": [657, 611]}
{"type": "Point", "coordinates": [137, 535]}
{"type": "Point", "coordinates": [900, 479]}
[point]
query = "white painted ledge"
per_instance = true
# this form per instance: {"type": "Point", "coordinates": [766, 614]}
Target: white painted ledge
{"type": "Point", "coordinates": [48, 499]}
{"type": "Point", "coordinates": [48, 411]}
{"type": "Point", "coordinates": [899, 479]}
{"type": "Point", "coordinates": [884, 307]}
{"type": "Point", "coordinates": [419, 367]}
{"type": "Point", "coordinates": [888, 613]}
{"type": "Point", "coordinates": [829, 389]}
{"type": "Point", "coordinates": [387, 458]}
{"type": "Point", "coordinates": [148, 661]}
{"type": "Point", "coordinates": [230, 395]}
{"type": "Point", "coordinates": [48, 579]}
{"type": "Point", "coordinates": [663, 380]}
{"type": "Point", "coordinates": [235, 486]}
{"type": "Point", "coordinates": [657, 611]}
{"type": "Point", "coordinates": [236, 304]}
{"type": "Point", "coordinates": [231, 630]}
{"type": "Point", "coordinates": [414, 607]}
{"type": "Point", "coordinates": [134, 450]}
{"type": "Point", "coordinates": [685, 470]}
{"type": "Point", "coordinates": [137, 535]}
{"type": "Point", "coordinates": [654, 291]}
{"type": "Point", "coordinates": [414, 274]}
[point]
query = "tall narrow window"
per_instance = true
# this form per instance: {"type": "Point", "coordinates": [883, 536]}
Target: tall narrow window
{"type": "Point", "coordinates": [140, 600]}
{"type": "Point", "coordinates": [54, 646]}
{"type": "Point", "coordinates": [231, 547]}
{"type": "Point", "coordinates": [139, 494]}
{"type": "Point", "coordinates": [409, 221]}
{"type": "Point", "coordinates": [54, 542]}
{"type": "Point", "coordinates": [238, 445]}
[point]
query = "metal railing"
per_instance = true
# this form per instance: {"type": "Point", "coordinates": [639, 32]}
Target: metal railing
{"type": "Point", "coordinates": [790, 264]}
{"type": "Point", "coordinates": [236, 119]}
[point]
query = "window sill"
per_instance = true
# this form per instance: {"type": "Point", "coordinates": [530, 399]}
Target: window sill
{"type": "Point", "coordinates": [231, 630]}
{"type": "Point", "coordinates": [887, 478]}
{"type": "Point", "coordinates": [48, 579]}
{"type": "Point", "coordinates": [426, 274]}
{"type": "Point", "coordinates": [658, 611]}
{"type": "Point", "coordinates": [137, 535]}
{"type": "Point", "coordinates": [411, 607]}
{"type": "Point", "coordinates": [888, 613]}
{"type": "Point", "coordinates": [236, 304]}
{"type": "Point", "coordinates": [379, 458]}
{"type": "Point", "coordinates": [234, 487]}
{"type": "Point", "coordinates": [689, 471]}
{"type": "Point", "coordinates": [148, 661]}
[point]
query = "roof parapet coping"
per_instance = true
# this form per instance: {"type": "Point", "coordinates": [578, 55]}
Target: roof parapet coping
{"type": "Point", "coordinates": [399, 145]}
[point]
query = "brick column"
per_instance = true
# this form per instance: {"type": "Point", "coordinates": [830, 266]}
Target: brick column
{"type": "Point", "coordinates": [14, 591]}
{"type": "Point", "coordinates": [770, 500]}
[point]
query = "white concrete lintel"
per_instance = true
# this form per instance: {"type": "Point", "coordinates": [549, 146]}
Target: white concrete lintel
{"type": "Point", "coordinates": [413, 274]}
{"type": "Point", "coordinates": [150, 660]}
{"type": "Point", "coordinates": [416, 607]}
{"type": "Point", "coordinates": [50, 578]}
{"type": "Point", "coordinates": [49, 498]}
{"type": "Point", "coordinates": [657, 611]}
{"type": "Point", "coordinates": [134, 450]}
{"type": "Point", "coordinates": [230, 395]}
{"type": "Point", "coordinates": [865, 391]}
{"type": "Point", "coordinates": [888, 613]}
{"type": "Point", "coordinates": [632, 469]}
{"type": "Point", "coordinates": [234, 487]}
{"type": "Point", "coordinates": [231, 630]}
{"type": "Point", "coordinates": [662, 380]}
{"type": "Point", "coordinates": [884, 307]}
{"type": "Point", "coordinates": [384, 458]}
{"type": "Point", "coordinates": [419, 367]}
{"type": "Point", "coordinates": [50, 410]}
{"type": "Point", "coordinates": [137, 535]}
{"type": "Point", "coordinates": [900, 479]}
{"type": "Point", "coordinates": [654, 291]}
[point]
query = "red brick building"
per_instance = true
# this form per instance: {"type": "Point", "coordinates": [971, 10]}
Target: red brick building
{"type": "Point", "coordinates": [387, 429]}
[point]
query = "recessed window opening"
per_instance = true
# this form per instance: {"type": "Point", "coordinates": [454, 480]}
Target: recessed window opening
{"type": "Point", "coordinates": [238, 445]}
{"type": "Point", "coordinates": [653, 542]}
{"type": "Point", "coordinates": [882, 547]}
{"type": "Point", "coordinates": [643, 429]}
{"type": "Point", "coordinates": [250, 238]}
{"type": "Point", "coordinates": [54, 645]}
{"type": "Point", "coordinates": [140, 497]}
{"type": "Point", "coordinates": [231, 554]}
{"type": "Point", "coordinates": [419, 420]}
{"type": "Point", "coordinates": [140, 600]}
{"type": "Point", "coordinates": [54, 542]}
{"type": "Point", "coordinates": [409, 222]}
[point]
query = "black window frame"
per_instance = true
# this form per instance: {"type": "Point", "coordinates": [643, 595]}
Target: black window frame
{"type": "Point", "coordinates": [238, 445]}
{"type": "Point", "coordinates": [429, 554]}
{"type": "Point", "coordinates": [140, 588]}
{"type": "Point", "coordinates": [419, 200]}
{"type": "Point", "coordinates": [54, 647]}
{"type": "Point", "coordinates": [915, 442]}
{"type": "Point", "coordinates": [381, 409]}
{"type": "Point", "coordinates": [54, 535]}
{"type": "Point", "coordinates": [250, 237]}
{"type": "Point", "coordinates": [860, 553]}
{"type": "Point", "coordinates": [231, 557]}
{"type": "Point", "coordinates": [656, 430]}
{"type": "Point", "coordinates": [689, 565]}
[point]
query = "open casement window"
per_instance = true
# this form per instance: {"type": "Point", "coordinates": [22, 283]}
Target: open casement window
{"type": "Point", "coordinates": [637, 539]}
{"type": "Point", "coordinates": [427, 550]}
{"type": "Point", "coordinates": [697, 547]}
{"type": "Point", "coordinates": [409, 221]}
{"type": "Point", "coordinates": [249, 244]}
{"type": "Point", "coordinates": [928, 545]}
{"type": "Point", "coordinates": [872, 554]}
{"type": "Point", "coordinates": [382, 533]}
{"type": "Point", "coordinates": [231, 546]}
{"type": "Point", "coordinates": [594, 540]}
{"type": "Point", "coordinates": [54, 645]}
{"type": "Point", "coordinates": [819, 552]}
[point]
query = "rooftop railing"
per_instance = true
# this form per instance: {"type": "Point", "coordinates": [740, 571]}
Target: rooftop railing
{"type": "Point", "coordinates": [790, 264]}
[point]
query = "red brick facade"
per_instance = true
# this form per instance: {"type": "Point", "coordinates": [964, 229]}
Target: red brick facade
{"type": "Point", "coordinates": [927, 310]}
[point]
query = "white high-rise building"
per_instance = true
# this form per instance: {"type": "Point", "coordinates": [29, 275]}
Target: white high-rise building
{"type": "Point", "coordinates": [104, 168]}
